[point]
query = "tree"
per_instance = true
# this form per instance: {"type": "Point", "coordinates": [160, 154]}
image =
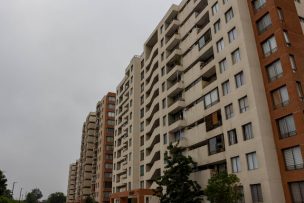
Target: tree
{"type": "Point", "coordinates": [223, 188]}
{"type": "Point", "coordinates": [3, 187]}
{"type": "Point", "coordinates": [3, 184]}
{"type": "Point", "coordinates": [33, 196]}
{"type": "Point", "coordinates": [175, 185]}
{"type": "Point", "coordinates": [89, 199]}
{"type": "Point", "coordinates": [57, 197]}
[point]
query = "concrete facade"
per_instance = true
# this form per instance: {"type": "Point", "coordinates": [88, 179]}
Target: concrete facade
{"type": "Point", "coordinates": [201, 83]}
{"type": "Point", "coordinates": [72, 183]}
{"type": "Point", "coordinates": [105, 120]}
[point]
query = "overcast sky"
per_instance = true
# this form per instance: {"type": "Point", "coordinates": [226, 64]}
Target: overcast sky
{"type": "Point", "coordinates": [57, 58]}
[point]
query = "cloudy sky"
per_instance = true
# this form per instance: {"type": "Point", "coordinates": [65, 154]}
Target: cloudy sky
{"type": "Point", "coordinates": [57, 58]}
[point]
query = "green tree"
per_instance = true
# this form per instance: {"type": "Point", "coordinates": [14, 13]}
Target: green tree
{"type": "Point", "coordinates": [57, 197]}
{"type": "Point", "coordinates": [223, 188]}
{"type": "Point", "coordinates": [89, 199]}
{"type": "Point", "coordinates": [3, 184]}
{"type": "Point", "coordinates": [175, 185]}
{"type": "Point", "coordinates": [33, 196]}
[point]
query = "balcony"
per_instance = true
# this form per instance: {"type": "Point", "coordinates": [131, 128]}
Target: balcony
{"type": "Point", "coordinates": [174, 56]}
{"type": "Point", "coordinates": [175, 88]}
{"type": "Point", "coordinates": [177, 105]}
{"type": "Point", "coordinates": [174, 72]}
{"type": "Point", "coordinates": [173, 42]}
{"type": "Point", "coordinates": [172, 28]}
{"type": "Point", "coordinates": [177, 124]}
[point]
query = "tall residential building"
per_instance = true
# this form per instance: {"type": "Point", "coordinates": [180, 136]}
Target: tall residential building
{"type": "Point", "coordinates": [126, 139]}
{"type": "Point", "coordinates": [105, 120]}
{"type": "Point", "coordinates": [72, 183]}
{"type": "Point", "coordinates": [87, 155]}
{"type": "Point", "coordinates": [224, 78]}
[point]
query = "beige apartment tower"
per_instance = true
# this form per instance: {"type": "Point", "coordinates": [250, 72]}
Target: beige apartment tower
{"type": "Point", "coordinates": [72, 183]}
{"type": "Point", "coordinates": [206, 78]}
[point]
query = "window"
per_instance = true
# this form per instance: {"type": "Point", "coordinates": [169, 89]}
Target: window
{"type": "Point", "coordinates": [216, 145]}
{"type": "Point", "coordinates": [232, 137]}
{"type": "Point", "coordinates": [142, 141]}
{"type": "Point", "coordinates": [142, 100]}
{"type": "Point", "coordinates": [164, 120]}
{"type": "Point", "coordinates": [215, 8]}
{"type": "Point", "coordinates": [269, 46]}
{"type": "Point", "coordinates": [162, 56]}
{"type": "Point", "coordinates": [142, 113]}
{"type": "Point", "coordinates": [108, 184]}
{"type": "Point", "coordinates": [252, 161]}
{"type": "Point", "coordinates": [163, 87]}
{"type": "Point", "coordinates": [111, 106]}
{"type": "Point", "coordinates": [111, 122]}
{"type": "Point", "coordinates": [164, 103]}
{"type": "Point", "coordinates": [211, 98]}
{"type": "Point", "coordinates": [108, 175]}
{"type": "Point", "coordinates": [106, 194]}
{"type": "Point", "coordinates": [110, 139]}
{"type": "Point", "coordinates": [142, 87]}
{"type": "Point", "coordinates": [280, 14]}
{"type": "Point", "coordinates": [236, 56]}
{"type": "Point", "coordinates": [223, 65]}
{"type": "Point", "coordinates": [229, 15]}
{"type": "Point", "coordinates": [111, 114]}
{"type": "Point", "coordinates": [229, 111]}
{"type": "Point", "coordinates": [108, 166]}
{"type": "Point", "coordinates": [163, 71]}
{"type": "Point", "coordinates": [287, 127]}
{"type": "Point", "coordinates": [243, 103]}
{"type": "Point", "coordinates": [256, 193]}
{"type": "Point", "coordinates": [236, 164]}
{"type": "Point", "coordinates": [220, 45]}
{"type": "Point", "coordinates": [142, 170]}
{"type": "Point", "coordinates": [162, 42]}
{"type": "Point", "coordinates": [286, 38]}
{"type": "Point", "coordinates": [232, 35]}
{"type": "Point", "coordinates": [300, 90]}
{"type": "Point", "coordinates": [109, 148]}
{"type": "Point", "coordinates": [112, 99]}
{"type": "Point", "coordinates": [258, 4]}
{"type": "Point", "coordinates": [204, 40]}
{"type": "Point", "coordinates": [275, 70]}
{"type": "Point", "coordinates": [264, 23]}
{"type": "Point", "coordinates": [142, 75]}
{"type": "Point", "coordinates": [293, 63]}
{"type": "Point", "coordinates": [280, 97]}
{"type": "Point", "coordinates": [142, 184]}
{"type": "Point", "coordinates": [217, 26]}
{"type": "Point", "coordinates": [293, 158]}
{"type": "Point", "coordinates": [142, 155]}
{"type": "Point", "coordinates": [226, 87]}
{"type": "Point", "coordinates": [165, 138]}
{"type": "Point", "coordinates": [141, 126]}
{"type": "Point", "coordinates": [109, 157]}
{"type": "Point", "coordinates": [247, 131]}
{"type": "Point", "coordinates": [239, 79]}
{"type": "Point", "coordinates": [213, 120]}
{"type": "Point", "coordinates": [297, 191]}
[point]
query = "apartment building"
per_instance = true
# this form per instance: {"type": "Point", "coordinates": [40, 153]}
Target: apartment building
{"type": "Point", "coordinates": [224, 79]}
{"type": "Point", "coordinates": [72, 183]}
{"type": "Point", "coordinates": [87, 156]}
{"type": "Point", "coordinates": [127, 130]}
{"type": "Point", "coordinates": [105, 121]}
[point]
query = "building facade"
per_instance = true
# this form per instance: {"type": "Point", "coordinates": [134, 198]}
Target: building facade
{"type": "Point", "coordinates": [223, 78]}
{"type": "Point", "coordinates": [105, 121]}
{"type": "Point", "coordinates": [72, 183]}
